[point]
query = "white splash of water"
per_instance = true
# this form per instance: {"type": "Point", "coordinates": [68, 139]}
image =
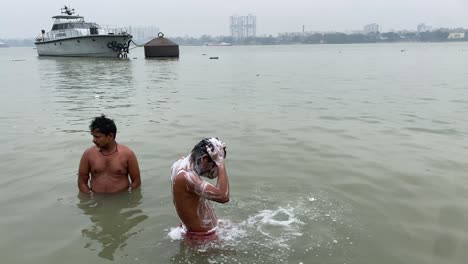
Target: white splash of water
{"type": "Point", "coordinates": [230, 232]}
{"type": "Point", "coordinates": [279, 217]}
{"type": "Point", "coordinates": [281, 230]}
{"type": "Point", "coordinates": [176, 233]}
{"type": "Point", "coordinates": [277, 225]}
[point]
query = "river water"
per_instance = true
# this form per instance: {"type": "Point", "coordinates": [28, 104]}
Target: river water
{"type": "Point", "coordinates": [336, 153]}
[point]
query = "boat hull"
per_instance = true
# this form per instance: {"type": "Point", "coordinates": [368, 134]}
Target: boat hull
{"type": "Point", "coordinates": [113, 46]}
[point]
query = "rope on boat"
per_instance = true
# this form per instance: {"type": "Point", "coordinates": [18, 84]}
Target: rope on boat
{"type": "Point", "coordinates": [137, 45]}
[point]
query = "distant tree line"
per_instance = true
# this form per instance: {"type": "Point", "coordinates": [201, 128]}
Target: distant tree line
{"type": "Point", "coordinates": [439, 35]}
{"type": "Point", "coordinates": [18, 42]}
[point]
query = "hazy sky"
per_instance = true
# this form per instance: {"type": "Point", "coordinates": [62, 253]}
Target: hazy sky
{"type": "Point", "coordinates": [25, 18]}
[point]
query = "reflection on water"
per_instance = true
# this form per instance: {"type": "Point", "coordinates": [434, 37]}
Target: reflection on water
{"type": "Point", "coordinates": [191, 254]}
{"type": "Point", "coordinates": [162, 59]}
{"type": "Point", "coordinates": [96, 74]}
{"type": "Point", "coordinates": [161, 70]}
{"type": "Point", "coordinates": [162, 89]}
{"type": "Point", "coordinates": [448, 238]}
{"type": "Point", "coordinates": [74, 87]}
{"type": "Point", "coordinates": [113, 218]}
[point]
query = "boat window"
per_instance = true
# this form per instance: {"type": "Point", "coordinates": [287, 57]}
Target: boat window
{"type": "Point", "coordinates": [61, 26]}
{"type": "Point", "coordinates": [93, 31]}
{"type": "Point", "coordinates": [81, 25]}
{"type": "Point", "coordinates": [75, 25]}
{"type": "Point", "coordinates": [57, 27]}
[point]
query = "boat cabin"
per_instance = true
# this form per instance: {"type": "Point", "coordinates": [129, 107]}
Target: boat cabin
{"type": "Point", "coordinates": [68, 25]}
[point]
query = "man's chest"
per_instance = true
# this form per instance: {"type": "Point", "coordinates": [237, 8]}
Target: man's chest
{"type": "Point", "coordinates": [115, 165]}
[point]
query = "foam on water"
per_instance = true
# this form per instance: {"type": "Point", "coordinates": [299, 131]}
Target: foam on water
{"type": "Point", "coordinates": [176, 233]}
{"type": "Point", "coordinates": [310, 226]}
{"type": "Point", "coordinates": [230, 232]}
{"type": "Point", "coordinates": [280, 217]}
{"type": "Point", "coordinates": [279, 225]}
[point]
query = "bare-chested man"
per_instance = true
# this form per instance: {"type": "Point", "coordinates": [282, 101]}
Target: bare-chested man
{"type": "Point", "coordinates": [191, 194]}
{"type": "Point", "coordinates": [109, 164]}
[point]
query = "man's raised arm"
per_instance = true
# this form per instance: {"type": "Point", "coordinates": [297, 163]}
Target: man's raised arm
{"type": "Point", "coordinates": [218, 193]}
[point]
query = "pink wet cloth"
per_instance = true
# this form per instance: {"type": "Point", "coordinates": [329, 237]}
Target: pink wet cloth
{"type": "Point", "coordinates": [199, 236]}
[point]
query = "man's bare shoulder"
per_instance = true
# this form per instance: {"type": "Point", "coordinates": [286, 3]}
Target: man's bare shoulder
{"type": "Point", "coordinates": [180, 176]}
{"type": "Point", "coordinates": [90, 151]}
{"type": "Point", "coordinates": [185, 179]}
{"type": "Point", "coordinates": [125, 149]}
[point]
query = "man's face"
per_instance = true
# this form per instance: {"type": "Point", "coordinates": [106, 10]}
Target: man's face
{"type": "Point", "coordinates": [101, 140]}
{"type": "Point", "coordinates": [208, 167]}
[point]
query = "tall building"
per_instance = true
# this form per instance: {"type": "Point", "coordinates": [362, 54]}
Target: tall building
{"type": "Point", "coordinates": [371, 28]}
{"type": "Point", "coordinates": [423, 27]}
{"type": "Point", "coordinates": [243, 26]}
{"type": "Point", "coordinates": [143, 34]}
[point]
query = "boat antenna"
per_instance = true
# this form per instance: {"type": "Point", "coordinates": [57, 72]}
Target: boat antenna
{"type": "Point", "coordinates": [68, 11]}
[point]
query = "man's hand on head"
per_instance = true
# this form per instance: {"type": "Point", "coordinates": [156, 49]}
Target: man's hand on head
{"type": "Point", "coordinates": [216, 150]}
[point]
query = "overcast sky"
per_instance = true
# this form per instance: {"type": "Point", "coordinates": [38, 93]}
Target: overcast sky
{"type": "Point", "coordinates": [25, 18]}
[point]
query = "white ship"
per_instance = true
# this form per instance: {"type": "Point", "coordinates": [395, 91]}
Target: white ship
{"type": "Point", "coordinates": [219, 44]}
{"type": "Point", "coordinates": [72, 36]}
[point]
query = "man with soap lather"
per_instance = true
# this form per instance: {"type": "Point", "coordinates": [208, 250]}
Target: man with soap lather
{"type": "Point", "coordinates": [192, 195]}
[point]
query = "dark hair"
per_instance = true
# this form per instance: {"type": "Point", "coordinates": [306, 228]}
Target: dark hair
{"type": "Point", "coordinates": [104, 124]}
{"type": "Point", "coordinates": [200, 149]}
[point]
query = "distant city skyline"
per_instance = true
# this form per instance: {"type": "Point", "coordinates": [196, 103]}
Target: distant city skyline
{"type": "Point", "coordinates": [25, 18]}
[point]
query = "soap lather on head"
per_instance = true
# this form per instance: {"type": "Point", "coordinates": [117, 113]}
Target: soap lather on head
{"type": "Point", "coordinates": [211, 151]}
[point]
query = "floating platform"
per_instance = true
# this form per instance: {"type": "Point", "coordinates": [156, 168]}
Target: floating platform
{"type": "Point", "coordinates": [161, 47]}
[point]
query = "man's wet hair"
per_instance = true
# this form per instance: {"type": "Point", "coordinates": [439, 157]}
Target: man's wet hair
{"type": "Point", "coordinates": [200, 149]}
{"type": "Point", "coordinates": [104, 124]}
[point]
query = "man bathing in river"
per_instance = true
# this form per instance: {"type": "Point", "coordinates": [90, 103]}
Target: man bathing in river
{"type": "Point", "coordinates": [191, 194]}
{"type": "Point", "coordinates": [107, 166]}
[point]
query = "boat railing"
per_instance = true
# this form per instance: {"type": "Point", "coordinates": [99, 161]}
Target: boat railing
{"type": "Point", "coordinates": [78, 32]}
{"type": "Point", "coordinates": [113, 30]}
